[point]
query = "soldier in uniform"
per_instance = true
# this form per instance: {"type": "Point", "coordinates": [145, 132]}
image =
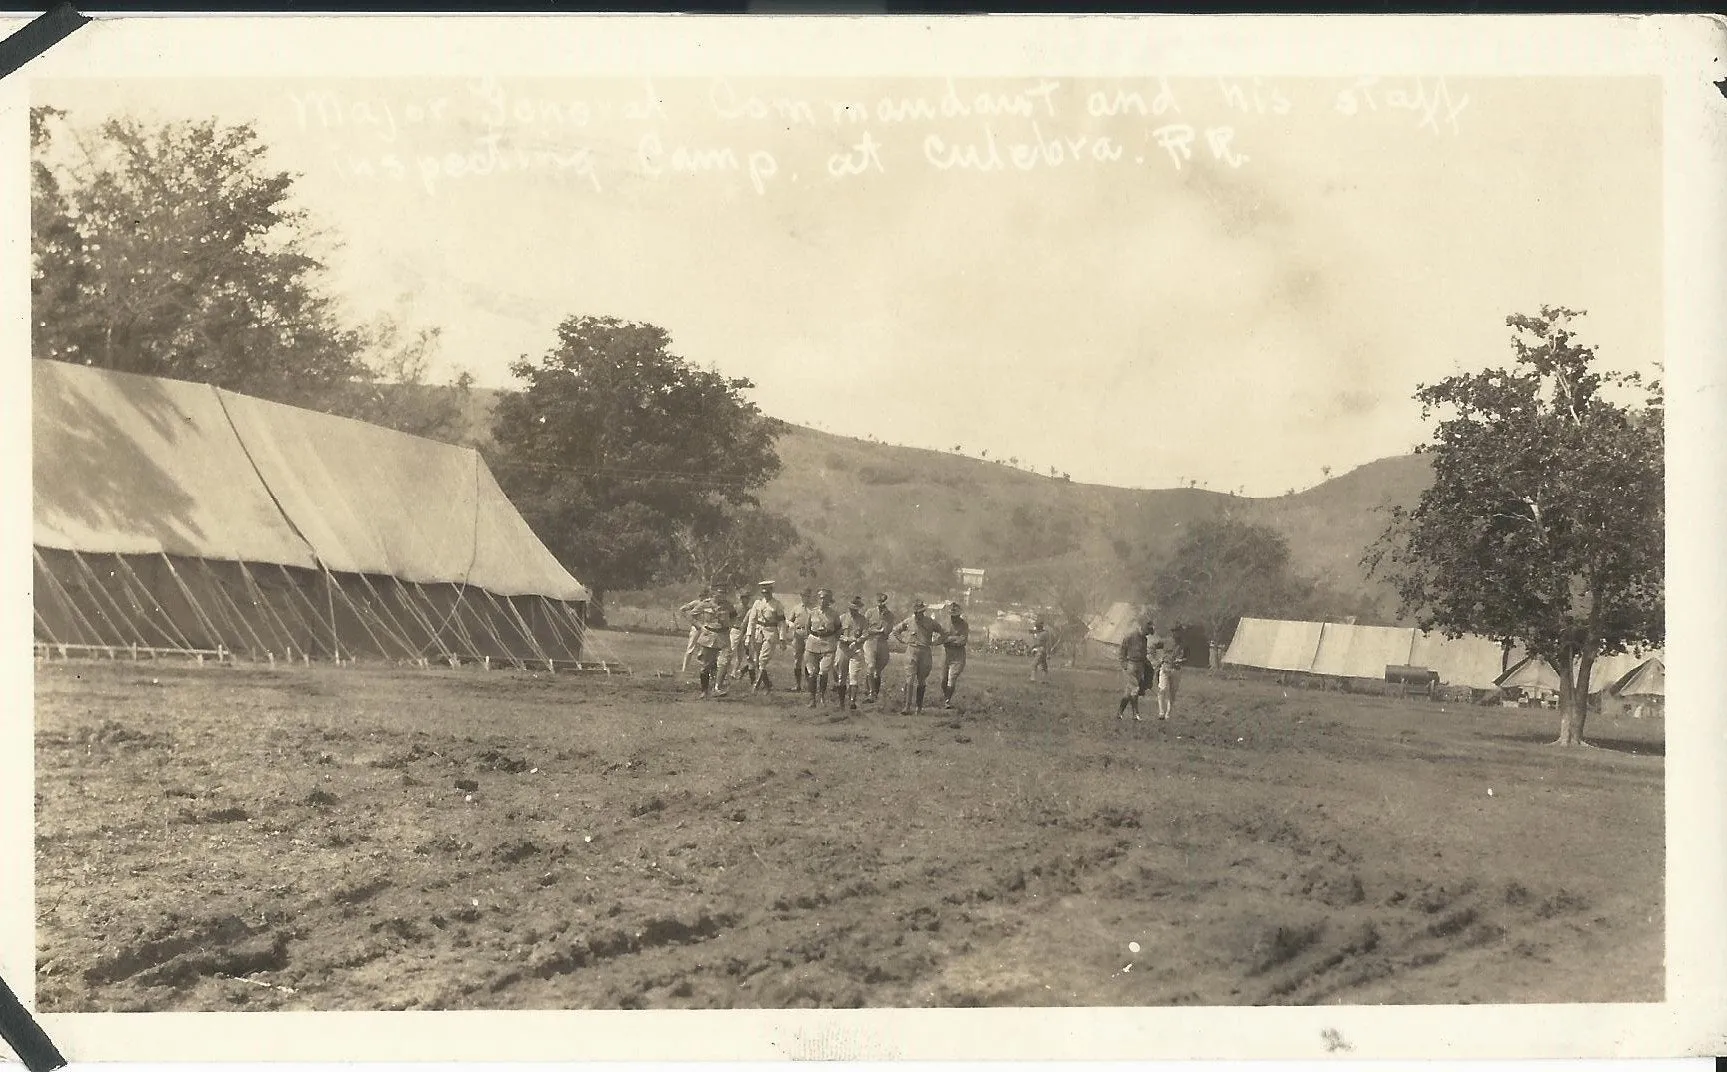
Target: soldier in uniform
{"type": "Point", "coordinates": [762, 634]}
{"type": "Point", "coordinates": [713, 620]}
{"type": "Point", "coordinates": [823, 627]}
{"type": "Point", "coordinates": [1042, 640]}
{"type": "Point", "coordinates": [799, 623]}
{"type": "Point", "coordinates": [688, 610]}
{"type": "Point", "coordinates": [953, 653]}
{"type": "Point", "coordinates": [919, 633]}
{"type": "Point", "coordinates": [1135, 671]}
{"type": "Point", "coordinates": [1165, 656]}
{"type": "Point", "coordinates": [849, 665]}
{"type": "Point", "coordinates": [878, 623]}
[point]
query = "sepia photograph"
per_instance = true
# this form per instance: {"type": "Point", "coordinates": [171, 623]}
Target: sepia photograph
{"type": "Point", "coordinates": [752, 535]}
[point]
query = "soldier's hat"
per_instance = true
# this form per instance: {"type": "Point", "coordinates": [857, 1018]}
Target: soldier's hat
{"type": "Point", "coordinates": [857, 601]}
{"type": "Point", "coordinates": [824, 591]}
{"type": "Point", "coordinates": [764, 584]}
{"type": "Point", "coordinates": [953, 606]}
{"type": "Point", "coordinates": [917, 605]}
{"type": "Point", "coordinates": [881, 597]}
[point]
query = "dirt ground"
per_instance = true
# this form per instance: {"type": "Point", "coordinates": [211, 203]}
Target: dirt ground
{"type": "Point", "coordinates": [238, 838]}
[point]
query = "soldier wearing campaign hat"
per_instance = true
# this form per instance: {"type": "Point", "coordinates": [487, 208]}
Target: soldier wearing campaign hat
{"type": "Point", "coordinates": [958, 634]}
{"type": "Point", "coordinates": [823, 628]}
{"type": "Point", "coordinates": [762, 624]}
{"type": "Point", "coordinates": [849, 665]}
{"type": "Point", "coordinates": [919, 633]}
{"type": "Point", "coordinates": [878, 623]}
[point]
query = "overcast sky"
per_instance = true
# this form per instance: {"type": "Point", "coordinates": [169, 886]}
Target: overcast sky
{"type": "Point", "coordinates": [1244, 316]}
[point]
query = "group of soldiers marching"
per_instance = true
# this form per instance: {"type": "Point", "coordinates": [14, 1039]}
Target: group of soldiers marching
{"type": "Point", "coordinates": [842, 652]}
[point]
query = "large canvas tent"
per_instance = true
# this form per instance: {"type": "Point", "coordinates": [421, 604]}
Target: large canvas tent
{"type": "Point", "coordinates": [1363, 652]}
{"type": "Point", "coordinates": [178, 517]}
{"type": "Point", "coordinates": [1105, 632]}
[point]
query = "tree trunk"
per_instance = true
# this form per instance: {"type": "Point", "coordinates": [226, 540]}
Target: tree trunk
{"type": "Point", "coordinates": [1574, 700]}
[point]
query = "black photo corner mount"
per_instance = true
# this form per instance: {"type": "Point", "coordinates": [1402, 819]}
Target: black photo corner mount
{"type": "Point", "coordinates": [25, 1035]}
{"type": "Point", "coordinates": [38, 36]}
{"type": "Point", "coordinates": [18, 1028]}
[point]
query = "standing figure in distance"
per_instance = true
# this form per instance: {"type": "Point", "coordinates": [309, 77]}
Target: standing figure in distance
{"type": "Point", "coordinates": [1042, 640]}
{"type": "Point", "coordinates": [823, 626]}
{"type": "Point", "coordinates": [800, 629]}
{"type": "Point", "coordinates": [688, 610]}
{"type": "Point", "coordinates": [879, 621]}
{"type": "Point", "coordinates": [1166, 659]}
{"type": "Point", "coordinates": [1134, 669]}
{"type": "Point", "coordinates": [953, 653]}
{"type": "Point", "coordinates": [919, 633]}
{"type": "Point", "coordinates": [762, 634]}
{"type": "Point", "coordinates": [849, 664]}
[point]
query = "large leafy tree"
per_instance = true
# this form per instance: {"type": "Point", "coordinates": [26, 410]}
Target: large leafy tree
{"type": "Point", "coordinates": [1224, 568]}
{"type": "Point", "coordinates": [615, 445]}
{"type": "Point", "coordinates": [175, 250]}
{"type": "Point", "coordinates": [1545, 521]}
{"type": "Point", "coordinates": [733, 548]}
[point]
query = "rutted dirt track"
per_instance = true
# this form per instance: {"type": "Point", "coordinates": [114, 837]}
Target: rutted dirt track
{"type": "Point", "coordinates": [357, 839]}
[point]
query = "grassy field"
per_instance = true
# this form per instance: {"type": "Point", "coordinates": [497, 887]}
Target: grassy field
{"type": "Point", "coordinates": [236, 838]}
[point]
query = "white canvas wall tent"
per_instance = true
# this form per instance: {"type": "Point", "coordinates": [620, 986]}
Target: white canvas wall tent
{"type": "Point", "coordinates": [174, 517]}
{"type": "Point", "coordinates": [1360, 651]}
{"type": "Point", "coordinates": [1363, 652]}
{"type": "Point", "coordinates": [1473, 661]}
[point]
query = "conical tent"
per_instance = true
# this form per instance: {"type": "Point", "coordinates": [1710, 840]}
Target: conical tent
{"type": "Point", "coordinates": [1648, 681]}
{"type": "Point", "coordinates": [1532, 673]}
{"type": "Point", "coordinates": [177, 517]}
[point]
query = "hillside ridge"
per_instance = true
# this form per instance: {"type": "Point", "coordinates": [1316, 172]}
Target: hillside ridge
{"type": "Point", "coordinates": [907, 516]}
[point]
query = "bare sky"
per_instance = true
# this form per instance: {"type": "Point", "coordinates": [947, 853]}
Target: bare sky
{"type": "Point", "coordinates": [1244, 316]}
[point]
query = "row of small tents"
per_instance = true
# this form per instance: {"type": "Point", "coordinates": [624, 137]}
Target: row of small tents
{"type": "Point", "coordinates": [174, 517]}
{"type": "Point", "coordinates": [1346, 650]}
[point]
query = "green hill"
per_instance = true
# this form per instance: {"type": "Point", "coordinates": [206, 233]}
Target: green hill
{"type": "Point", "coordinates": [881, 511]}
{"type": "Point", "coordinates": [903, 518]}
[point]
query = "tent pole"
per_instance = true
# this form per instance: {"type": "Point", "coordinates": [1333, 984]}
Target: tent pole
{"type": "Point", "coordinates": [239, 615]}
{"type": "Point", "coordinates": [410, 591]}
{"type": "Point", "coordinates": [579, 624]}
{"type": "Point", "coordinates": [425, 623]}
{"type": "Point", "coordinates": [309, 620]}
{"type": "Point", "coordinates": [415, 651]}
{"type": "Point", "coordinates": [47, 631]}
{"type": "Point", "coordinates": [260, 597]}
{"type": "Point", "coordinates": [551, 612]}
{"type": "Point", "coordinates": [454, 617]}
{"type": "Point", "coordinates": [359, 615]}
{"type": "Point", "coordinates": [521, 627]}
{"type": "Point", "coordinates": [192, 601]}
{"type": "Point", "coordinates": [167, 619]}
{"type": "Point", "coordinates": [486, 621]}
{"type": "Point", "coordinates": [65, 594]}
{"type": "Point", "coordinates": [330, 597]}
{"type": "Point", "coordinates": [98, 592]}
{"type": "Point", "coordinates": [139, 617]}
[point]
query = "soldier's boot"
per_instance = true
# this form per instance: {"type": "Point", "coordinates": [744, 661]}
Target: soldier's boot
{"type": "Point", "coordinates": [812, 684]}
{"type": "Point", "coordinates": [853, 693]}
{"type": "Point", "coordinates": [1121, 707]}
{"type": "Point", "coordinates": [946, 697]}
{"type": "Point", "coordinates": [905, 708]}
{"type": "Point", "coordinates": [920, 689]}
{"type": "Point", "coordinates": [706, 679]}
